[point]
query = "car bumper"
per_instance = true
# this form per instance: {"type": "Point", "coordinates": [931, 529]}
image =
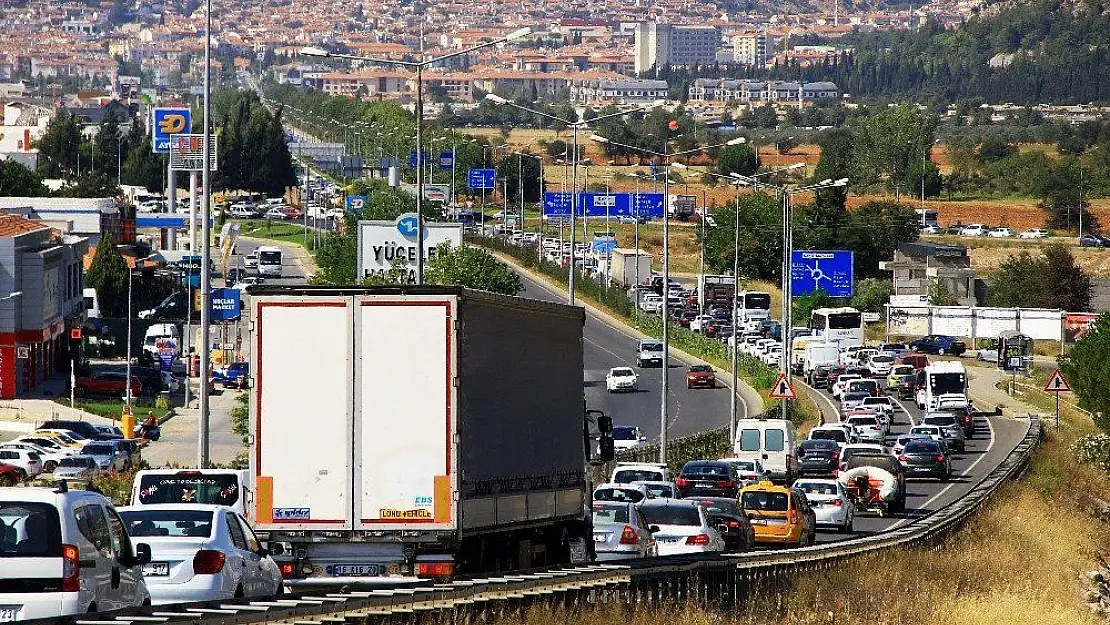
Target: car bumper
{"type": "Point", "coordinates": [618, 554]}
{"type": "Point", "coordinates": [616, 388]}
{"type": "Point", "coordinates": [702, 383]}
{"type": "Point", "coordinates": [778, 534]}
{"type": "Point", "coordinates": [816, 469]}
{"type": "Point", "coordinates": [198, 588]}
{"type": "Point", "coordinates": [937, 472]}
{"type": "Point", "coordinates": [654, 362]}
{"type": "Point", "coordinates": [26, 606]}
{"type": "Point", "coordinates": [831, 515]}
{"type": "Point", "coordinates": [671, 549]}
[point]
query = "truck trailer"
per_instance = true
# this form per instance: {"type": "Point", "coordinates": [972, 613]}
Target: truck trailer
{"type": "Point", "coordinates": [417, 432]}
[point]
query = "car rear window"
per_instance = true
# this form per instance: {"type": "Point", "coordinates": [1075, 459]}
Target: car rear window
{"type": "Point", "coordinates": [939, 420]}
{"type": "Point", "coordinates": [610, 514]}
{"type": "Point", "coordinates": [749, 440]}
{"type": "Point", "coordinates": [774, 440]}
{"type": "Point", "coordinates": [921, 447]}
{"type": "Point", "coordinates": [863, 421]}
{"type": "Point", "coordinates": [618, 494]}
{"type": "Point", "coordinates": [29, 530]}
{"type": "Point", "coordinates": [671, 515]}
{"type": "Point", "coordinates": [817, 488]}
{"type": "Point", "coordinates": [172, 523]}
{"type": "Point", "coordinates": [221, 490]}
{"type": "Point", "coordinates": [713, 470]}
{"type": "Point", "coordinates": [627, 476]}
{"type": "Point", "coordinates": [829, 435]}
{"type": "Point", "coordinates": [765, 501]}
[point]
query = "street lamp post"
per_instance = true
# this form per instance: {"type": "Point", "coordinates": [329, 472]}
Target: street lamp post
{"type": "Point", "coordinates": [419, 114]}
{"type": "Point", "coordinates": [667, 157]}
{"type": "Point", "coordinates": [130, 273]}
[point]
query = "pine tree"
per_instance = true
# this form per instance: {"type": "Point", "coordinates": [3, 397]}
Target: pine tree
{"type": "Point", "coordinates": [108, 275]}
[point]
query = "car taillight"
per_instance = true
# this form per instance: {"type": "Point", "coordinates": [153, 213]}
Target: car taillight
{"type": "Point", "coordinates": [286, 569]}
{"type": "Point", "coordinates": [725, 484]}
{"type": "Point", "coordinates": [71, 569]}
{"type": "Point", "coordinates": [904, 458]}
{"type": "Point", "coordinates": [793, 516]}
{"type": "Point", "coordinates": [700, 539]}
{"type": "Point", "coordinates": [838, 502]}
{"type": "Point", "coordinates": [835, 455]}
{"type": "Point", "coordinates": [629, 537]}
{"type": "Point", "coordinates": [940, 458]}
{"type": "Point", "coordinates": [208, 562]}
{"type": "Point", "coordinates": [435, 569]}
{"type": "Point", "coordinates": [682, 482]}
{"type": "Point", "coordinates": [733, 523]}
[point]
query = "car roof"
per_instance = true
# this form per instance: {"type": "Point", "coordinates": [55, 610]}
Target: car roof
{"type": "Point", "coordinates": [207, 507]}
{"type": "Point", "coordinates": [765, 486]}
{"type": "Point", "coordinates": [45, 495]}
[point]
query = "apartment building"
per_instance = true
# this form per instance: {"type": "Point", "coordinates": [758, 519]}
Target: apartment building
{"type": "Point", "coordinates": [757, 92]}
{"type": "Point", "coordinates": [661, 44]}
{"type": "Point", "coordinates": [618, 91]}
{"type": "Point", "coordinates": [752, 48]}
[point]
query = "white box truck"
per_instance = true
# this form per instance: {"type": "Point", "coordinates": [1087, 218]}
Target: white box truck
{"type": "Point", "coordinates": [625, 263]}
{"type": "Point", "coordinates": [819, 354]}
{"type": "Point", "coordinates": [416, 432]}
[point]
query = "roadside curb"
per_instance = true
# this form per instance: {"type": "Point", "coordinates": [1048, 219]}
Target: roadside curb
{"type": "Point", "coordinates": [749, 397]}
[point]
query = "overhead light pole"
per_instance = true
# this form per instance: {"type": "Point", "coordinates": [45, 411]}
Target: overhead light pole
{"type": "Point", "coordinates": [667, 156]}
{"type": "Point", "coordinates": [574, 125]}
{"type": "Point", "coordinates": [205, 255]}
{"type": "Point", "coordinates": [418, 112]}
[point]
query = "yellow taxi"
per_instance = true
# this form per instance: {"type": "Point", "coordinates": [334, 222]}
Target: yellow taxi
{"type": "Point", "coordinates": [778, 514]}
{"type": "Point", "coordinates": [897, 372]}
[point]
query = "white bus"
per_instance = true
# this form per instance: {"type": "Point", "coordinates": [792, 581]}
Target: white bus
{"type": "Point", "coordinates": [942, 386]}
{"type": "Point", "coordinates": [752, 307]}
{"type": "Point", "coordinates": [843, 326]}
{"type": "Point", "coordinates": [269, 261]}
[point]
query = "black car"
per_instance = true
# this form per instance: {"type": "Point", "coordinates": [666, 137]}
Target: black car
{"type": "Point", "coordinates": [954, 229]}
{"type": "Point", "coordinates": [84, 428]}
{"type": "Point", "coordinates": [150, 378]}
{"type": "Point", "coordinates": [174, 307]}
{"type": "Point", "coordinates": [926, 458]}
{"type": "Point", "coordinates": [819, 376]}
{"type": "Point", "coordinates": [887, 463]}
{"type": "Point", "coordinates": [707, 478]}
{"type": "Point", "coordinates": [939, 344]}
{"type": "Point", "coordinates": [818, 457]}
{"type": "Point", "coordinates": [727, 516]}
{"type": "Point", "coordinates": [907, 386]}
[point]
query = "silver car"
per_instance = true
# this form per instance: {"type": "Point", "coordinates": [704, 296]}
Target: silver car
{"type": "Point", "coordinates": [76, 468]}
{"type": "Point", "coordinates": [950, 428]}
{"type": "Point", "coordinates": [621, 532]}
{"type": "Point", "coordinates": [109, 457]}
{"type": "Point", "coordinates": [829, 502]}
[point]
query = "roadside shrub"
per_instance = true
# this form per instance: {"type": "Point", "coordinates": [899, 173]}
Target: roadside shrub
{"type": "Point", "coordinates": [1093, 449]}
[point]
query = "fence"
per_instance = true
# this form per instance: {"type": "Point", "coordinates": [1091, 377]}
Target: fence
{"type": "Point", "coordinates": [979, 322]}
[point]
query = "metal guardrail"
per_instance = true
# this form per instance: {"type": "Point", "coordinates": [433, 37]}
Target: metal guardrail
{"type": "Point", "coordinates": [721, 579]}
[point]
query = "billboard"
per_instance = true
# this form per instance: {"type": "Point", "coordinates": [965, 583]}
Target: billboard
{"type": "Point", "coordinates": [354, 203]}
{"type": "Point", "coordinates": [225, 304]}
{"type": "Point", "coordinates": [826, 270]}
{"type": "Point", "coordinates": [1077, 325]}
{"type": "Point", "coordinates": [600, 204]}
{"type": "Point", "coordinates": [381, 243]}
{"type": "Point", "coordinates": [166, 121]}
{"type": "Point", "coordinates": [481, 179]}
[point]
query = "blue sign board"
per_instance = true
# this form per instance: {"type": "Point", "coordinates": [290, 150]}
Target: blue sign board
{"type": "Point", "coordinates": [826, 270]}
{"type": "Point", "coordinates": [481, 179]}
{"type": "Point", "coordinates": [168, 121]}
{"type": "Point", "coordinates": [601, 204]}
{"type": "Point", "coordinates": [603, 245]}
{"type": "Point", "coordinates": [225, 304]}
{"type": "Point", "coordinates": [355, 202]}
{"type": "Point", "coordinates": [446, 160]}
{"type": "Point", "coordinates": [412, 158]}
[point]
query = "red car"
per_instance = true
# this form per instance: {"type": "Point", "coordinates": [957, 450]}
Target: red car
{"type": "Point", "coordinates": [106, 383]}
{"type": "Point", "coordinates": [701, 376]}
{"type": "Point", "coordinates": [10, 475]}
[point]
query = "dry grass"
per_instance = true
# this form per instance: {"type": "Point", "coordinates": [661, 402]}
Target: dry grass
{"type": "Point", "coordinates": [1018, 562]}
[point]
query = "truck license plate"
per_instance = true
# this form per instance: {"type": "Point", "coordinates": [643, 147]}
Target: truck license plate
{"type": "Point", "coordinates": [356, 570]}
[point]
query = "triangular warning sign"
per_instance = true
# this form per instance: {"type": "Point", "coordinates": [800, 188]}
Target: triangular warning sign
{"type": "Point", "coordinates": [781, 389]}
{"type": "Point", "coordinates": [1057, 384]}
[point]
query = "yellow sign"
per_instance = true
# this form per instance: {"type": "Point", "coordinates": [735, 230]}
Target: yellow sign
{"type": "Point", "coordinates": [172, 124]}
{"type": "Point", "coordinates": [390, 513]}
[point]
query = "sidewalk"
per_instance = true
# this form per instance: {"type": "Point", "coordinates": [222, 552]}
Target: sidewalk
{"type": "Point", "coordinates": [25, 413]}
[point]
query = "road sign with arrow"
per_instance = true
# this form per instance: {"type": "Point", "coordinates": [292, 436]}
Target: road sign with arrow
{"type": "Point", "coordinates": [1057, 384]}
{"type": "Point", "coordinates": [781, 389]}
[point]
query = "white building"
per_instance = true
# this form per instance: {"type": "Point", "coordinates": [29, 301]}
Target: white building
{"type": "Point", "coordinates": [659, 45]}
{"type": "Point", "coordinates": [752, 48]}
{"type": "Point", "coordinates": [624, 91]}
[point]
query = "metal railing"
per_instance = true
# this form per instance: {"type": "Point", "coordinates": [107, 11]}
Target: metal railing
{"type": "Point", "coordinates": [718, 579]}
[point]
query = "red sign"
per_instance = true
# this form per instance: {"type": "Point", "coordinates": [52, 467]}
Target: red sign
{"type": "Point", "coordinates": [1057, 384]}
{"type": "Point", "coordinates": [75, 334]}
{"type": "Point", "coordinates": [781, 389]}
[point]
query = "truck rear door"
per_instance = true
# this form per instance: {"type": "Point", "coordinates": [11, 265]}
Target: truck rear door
{"type": "Point", "coordinates": [302, 420]}
{"type": "Point", "coordinates": [405, 398]}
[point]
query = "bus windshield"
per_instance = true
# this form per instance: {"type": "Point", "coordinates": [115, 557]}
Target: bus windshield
{"type": "Point", "coordinates": [269, 258]}
{"type": "Point", "coordinates": [844, 321]}
{"type": "Point", "coordinates": [757, 301]}
{"type": "Point", "coordinates": [944, 383]}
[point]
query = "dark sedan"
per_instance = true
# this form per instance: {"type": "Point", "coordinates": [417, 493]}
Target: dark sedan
{"type": "Point", "coordinates": [939, 344]}
{"type": "Point", "coordinates": [707, 478]}
{"type": "Point", "coordinates": [819, 376]}
{"type": "Point", "coordinates": [818, 457]}
{"type": "Point", "coordinates": [907, 386]}
{"type": "Point", "coordinates": [1090, 240]}
{"type": "Point", "coordinates": [926, 458]}
{"type": "Point", "coordinates": [727, 516]}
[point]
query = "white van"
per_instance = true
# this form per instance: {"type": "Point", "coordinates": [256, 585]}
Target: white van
{"type": "Point", "coordinates": [773, 442]}
{"type": "Point", "coordinates": [157, 331]}
{"type": "Point", "coordinates": [221, 487]}
{"type": "Point", "coordinates": [66, 552]}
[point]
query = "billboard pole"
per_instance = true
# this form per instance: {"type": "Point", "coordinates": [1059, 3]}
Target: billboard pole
{"type": "Point", "coordinates": [206, 235]}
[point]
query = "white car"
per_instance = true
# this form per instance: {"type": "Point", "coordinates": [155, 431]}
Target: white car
{"type": "Point", "coordinates": [621, 379]}
{"type": "Point", "coordinates": [651, 303]}
{"type": "Point", "coordinates": [930, 230]}
{"type": "Point", "coordinates": [48, 444]}
{"type": "Point", "coordinates": [65, 552]}
{"type": "Point", "coordinates": [683, 527]}
{"type": "Point", "coordinates": [1001, 233]}
{"type": "Point", "coordinates": [631, 493]}
{"type": "Point", "coordinates": [627, 437]}
{"type": "Point", "coordinates": [241, 212]}
{"type": "Point", "coordinates": [881, 404]}
{"type": "Point", "coordinates": [829, 501]}
{"type": "Point", "coordinates": [900, 443]}
{"type": "Point", "coordinates": [628, 472]}
{"type": "Point", "coordinates": [749, 471]}
{"type": "Point", "coordinates": [49, 458]}
{"type": "Point", "coordinates": [842, 433]}
{"type": "Point", "coordinates": [276, 213]}
{"type": "Point", "coordinates": [880, 364]}
{"type": "Point", "coordinates": [842, 383]}
{"type": "Point", "coordinates": [697, 324]}
{"type": "Point", "coordinates": [773, 355]}
{"type": "Point", "coordinates": [928, 431]}
{"type": "Point", "coordinates": [1034, 233]}
{"type": "Point", "coordinates": [201, 553]}
{"type": "Point", "coordinates": [29, 461]}
{"type": "Point", "coordinates": [867, 428]}
{"type": "Point", "coordinates": [974, 230]}
{"type": "Point", "coordinates": [657, 489]}
{"type": "Point", "coordinates": [250, 261]}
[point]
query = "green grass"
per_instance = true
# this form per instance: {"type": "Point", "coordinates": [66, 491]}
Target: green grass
{"type": "Point", "coordinates": [114, 409]}
{"type": "Point", "coordinates": [275, 231]}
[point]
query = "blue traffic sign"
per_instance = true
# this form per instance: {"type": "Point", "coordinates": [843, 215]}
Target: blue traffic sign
{"type": "Point", "coordinates": [481, 179]}
{"type": "Point", "coordinates": [446, 160]}
{"type": "Point", "coordinates": [412, 158]}
{"type": "Point", "coordinates": [166, 121]}
{"type": "Point", "coordinates": [830, 271]}
{"type": "Point", "coordinates": [601, 204]}
{"type": "Point", "coordinates": [603, 245]}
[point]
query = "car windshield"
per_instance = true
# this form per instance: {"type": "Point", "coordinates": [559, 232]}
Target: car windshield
{"type": "Point", "coordinates": [820, 444]}
{"type": "Point", "coordinates": [857, 421]}
{"type": "Point", "coordinates": [939, 421]}
{"type": "Point", "coordinates": [659, 490]}
{"type": "Point", "coordinates": [74, 462]}
{"type": "Point", "coordinates": [882, 359]}
{"type": "Point", "coordinates": [701, 368]}
{"type": "Point", "coordinates": [173, 523]}
{"type": "Point", "coordinates": [610, 514]}
{"type": "Point", "coordinates": [718, 505]}
{"type": "Point", "coordinates": [622, 373]}
{"type": "Point", "coordinates": [743, 465]}
{"type": "Point", "coordinates": [764, 501]}
{"type": "Point", "coordinates": [925, 431]}
{"type": "Point", "coordinates": [97, 450]}
{"type": "Point", "coordinates": [651, 347]}
{"type": "Point", "coordinates": [221, 490]}
{"type": "Point", "coordinates": [29, 530]}
{"type": "Point", "coordinates": [671, 515]}
{"type": "Point", "coordinates": [624, 433]}
{"type": "Point", "coordinates": [816, 488]}
{"type": "Point", "coordinates": [627, 476]}
{"type": "Point", "coordinates": [921, 447]}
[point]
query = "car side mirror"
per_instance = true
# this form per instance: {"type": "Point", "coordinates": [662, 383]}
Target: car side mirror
{"type": "Point", "coordinates": [653, 529]}
{"type": "Point", "coordinates": [142, 554]}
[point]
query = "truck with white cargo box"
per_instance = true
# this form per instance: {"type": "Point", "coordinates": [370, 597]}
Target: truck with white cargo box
{"type": "Point", "coordinates": [630, 267]}
{"type": "Point", "coordinates": [417, 432]}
